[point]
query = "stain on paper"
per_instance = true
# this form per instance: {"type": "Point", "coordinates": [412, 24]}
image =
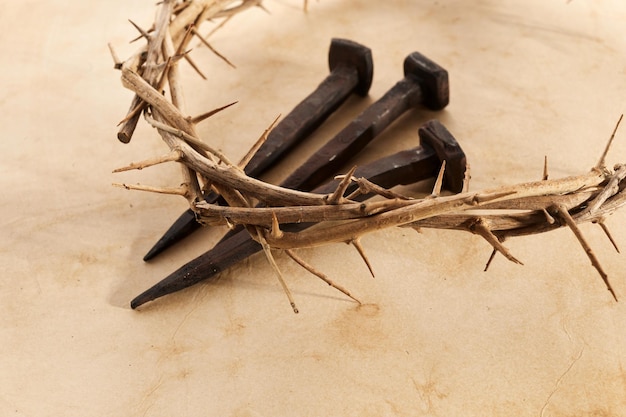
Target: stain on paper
{"type": "Point", "coordinates": [361, 328]}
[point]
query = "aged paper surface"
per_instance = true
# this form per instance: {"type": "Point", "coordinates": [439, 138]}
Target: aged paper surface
{"type": "Point", "coordinates": [436, 336]}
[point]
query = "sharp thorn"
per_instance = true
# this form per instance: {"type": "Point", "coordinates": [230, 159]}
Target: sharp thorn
{"type": "Point", "coordinates": [583, 242]}
{"type": "Point", "coordinates": [230, 225]}
{"type": "Point", "coordinates": [493, 255]}
{"type": "Point", "coordinates": [466, 179]}
{"type": "Point", "coordinates": [367, 187]}
{"type": "Point", "coordinates": [257, 145]}
{"type": "Point", "coordinates": [318, 274]}
{"type": "Point", "coordinates": [117, 63]}
{"type": "Point", "coordinates": [208, 45]}
{"type": "Point", "coordinates": [140, 30]}
{"type": "Point", "coordinates": [439, 181]}
{"type": "Point", "coordinates": [357, 244]}
{"type": "Point", "coordinates": [480, 228]}
{"type": "Point", "coordinates": [201, 117]}
{"type": "Point", "coordinates": [545, 168]}
{"type": "Point", "coordinates": [608, 234]}
{"type": "Point", "coordinates": [601, 162]}
{"type": "Point", "coordinates": [275, 232]}
{"type": "Point", "coordinates": [183, 191]}
{"type": "Point", "coordinates": [485, 198]}
{"type": "Point", "coordinates": [337, 196]}
{"type": "Point", "coordinates": [164, 74]}
{"type": "Point", "coordinates": [173, 156]}
{"type": "Point", "coordinates": [549, 218]}
{"type": "Point", "coordinates": [270, 258]}
{"type": "Point", "coordinates": [194, 66]}
{"type": "Point", "coordinates": [135, 112]}
{"type": "Point", "coordinates": [185, 40]}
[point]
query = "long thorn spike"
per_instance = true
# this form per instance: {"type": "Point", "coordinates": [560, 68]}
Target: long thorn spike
{"type": "Point", "coordinates": [601, 162]}
{"type": "Point", "coordinates": [608, 234]}
{"type": "Point", "coordinates": [276, 232]}
{"type": "Point", "coordinates": [208, 45]}
{"type": "Point", "coordinates": [173, 156]}
{"type": "Point", "coordinates": [319, 274]}
{"type": "Point", "coordinates": [583, 242]}
{"type": "Point", "coordinates": [493, 255]}
{"type": "Point", "coordinates": [257, 145]}
{"type": "Point", "coordinates": [270, 258]}
{"type": "Point", "coordinates": [549, 218]}
{"type": "Point", "coordinates": [545, 168]}
{"type": "Point", "coordinates": [201, 117]}
{"type": "Point", "coordinates": [194, 66]}
{"type": "Point", "coordinates": [117, 63]}
{"type": "Point", "coordinates": [466, 179]}
{"type": "Point", "coordinates": [134, 113]}
{"type": "Point", "coordinates": [357, 244]}
{"type": "Point", "coordinates": [481, 229]}
{"type": "Point", "coordinates": [439, 182]}
{"type": "Point", "coordinates": [337, 196]}
{"type": "Point", "coordinates": [160, 190]}
{"type": "Point", "coordinates": [140, 30]}
{"type": "Point", "coordinates": [185, 41]}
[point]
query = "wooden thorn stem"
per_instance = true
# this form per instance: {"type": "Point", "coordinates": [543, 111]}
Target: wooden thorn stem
{"type": "Point", "coordinates": [337, 196]}
{"type": "Point", "coordinates": [493, 255]}
{"type": "Point", "coordinates": [194, 66]}
{"type": "Point", "coordinates": [260, 141]}
{"type": "Point", "coordinates": [203, 116]}
{"type": "Point", "coordinates": [359, 248]}
{"type": "Point", "coordinates": [549, 218]}
{"type": "Point", "coordinates": [208, 45]}
{"type": "Point", "coordinates": [185, 40]}
{"type": "Point", "coordinates": [173, 156]}
{"type": "Point", "coordinates": [564, 214]}
{"type": "Point", "coordinates": [117, 62]}
{"type": "Point", "coordinates": [270, 258]}
{"type": "Point", "coordinates": [319, 274]}
{"type": "Point", "coordinates": [183, 191]}
{"type": "Point", "coordinates": [189, 138]}
{"type": "Point", "coordinates": [606, 231]}
{"type": "Point", "coordinates": [275, 231]}
{"type": "Point", "coordinates": [367, 187]}
{"type": "Point", "coordinates": [439, 181]}
{"type": "Point", "coordinates": [142, 32]}
{"type": "Point", "coordinates": [466, 179]}
{"type": "Point", "coordinates": [601, 162]}
{"type": "Point", "coordinates": [481, 229]}
{"type": "Point", "coordinates": [219, 26]}
{"type": "Point", "coordinates": [171, 73]}
{"type": "Point", "coordinates": [609, 190]}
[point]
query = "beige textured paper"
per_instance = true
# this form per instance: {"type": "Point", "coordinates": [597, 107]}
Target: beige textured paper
{"type": "Point", "coordinates": [438, 337]}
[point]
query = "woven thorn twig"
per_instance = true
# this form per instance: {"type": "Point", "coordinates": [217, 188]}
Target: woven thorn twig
{"type": "Point", "coordinates": [495, 215]}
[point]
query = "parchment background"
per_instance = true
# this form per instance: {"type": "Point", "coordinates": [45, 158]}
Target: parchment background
{"type": "Point", "coordinates": [438, 337]}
